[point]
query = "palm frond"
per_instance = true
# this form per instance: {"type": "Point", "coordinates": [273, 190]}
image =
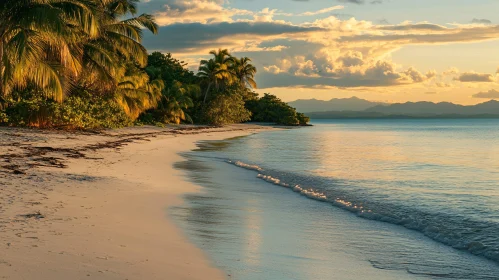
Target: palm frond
{"type": "Point", "coordinates": [144, 20]}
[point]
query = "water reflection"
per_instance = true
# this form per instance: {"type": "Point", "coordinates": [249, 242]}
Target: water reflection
{"type": "Point", "coordinates": [253, 222]}
{"type": "Point", "coordinates": [255, 230]}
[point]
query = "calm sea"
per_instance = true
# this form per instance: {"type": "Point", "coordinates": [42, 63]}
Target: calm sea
{"type": "Point", "coordinates": [356, 199]}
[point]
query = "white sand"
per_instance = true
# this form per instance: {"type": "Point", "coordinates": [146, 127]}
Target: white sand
{"type": "Point", "coordinates": [103, 218]}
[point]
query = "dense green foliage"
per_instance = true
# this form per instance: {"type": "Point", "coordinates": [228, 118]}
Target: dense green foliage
{"type": "Point", "coordinates": [61, 48]}
{"type": "Point", "coordinates": [269, 108]}
{"type": "Point", "coordinates": [226, 109]}
{"type": "Point", "coordinates": [170, 70]}
{"type": "Point", "coordinates": [220, 93]}
{"type": "Point", "coordinates": [172, 108]}
{"type": "Point", "coordinates": [80, 64]}
{"type": "Point", "coordinates": [82, 111]}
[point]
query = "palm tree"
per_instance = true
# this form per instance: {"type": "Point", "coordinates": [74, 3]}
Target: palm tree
{"type": "Point", "coordinates": [221, 56]}
{"type": "Point", "coordinates": [212, 73]}
{"type": "Point", "coordinates": [244, 72]}
{"type": "Point", "coordinates": [39, 42]}
{"type": "Point", "coordinates": [111, 60]}
{"type": "Point", "coordinates": [135, 93]}
{"type": "Point", "coordinates": [225, 59]}
{"type": "Point", "coordinates": [176, 101]}
{"type": "Point", "coordinates": [60, 46]}
{"type": "Point", "coordinates": [118, 41]}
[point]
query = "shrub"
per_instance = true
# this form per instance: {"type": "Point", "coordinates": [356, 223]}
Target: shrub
{"type": "Point", "coordinates": [302, 118]}
{"type": "Point", "coordinates": [269, 108]}
{"type": "Point", "coordinates": [32, 112]}
{"type": "Point", "coordinates": [4, 119]}
{"type": "Point", "coordinates": [173, 106]}
{"type": "Point", "coordinates": [79, 112]}
{"type": "Point", "coordinates": [82, 111]}
{"type": "Point", "coordinates": [226, 109]}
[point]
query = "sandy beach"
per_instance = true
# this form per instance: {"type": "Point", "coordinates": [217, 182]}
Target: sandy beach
{"type": "Point", "coordinates": [94, 205]}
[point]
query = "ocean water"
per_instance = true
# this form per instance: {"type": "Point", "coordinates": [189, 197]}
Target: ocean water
{"type": "Point", "coordinates": [355, 199]}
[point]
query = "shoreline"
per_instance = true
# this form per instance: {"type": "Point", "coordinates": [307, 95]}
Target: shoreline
{"type": "Point", "coordinates": [94, 206]}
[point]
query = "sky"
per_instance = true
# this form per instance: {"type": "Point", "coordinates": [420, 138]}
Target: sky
{"type": "Point", "coordinates": [380, 50]}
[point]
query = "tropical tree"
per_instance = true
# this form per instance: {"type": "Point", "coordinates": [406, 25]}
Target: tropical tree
{"type": "Point", "coordinates": [226, 60]}
{"type": "Point", "coordinates": [176, 101]}
{"type": "Point", "coordinates": [62, 46]}
{"type": "Point", "coordinates": [221, 56]}
{"type": "Point", "coordinates": [113, 60]}
{"type": "Point", "coordinates": [227, 109]}
{"type": "Point", "coordinates": [135, 93]}
{"type": "Point", "coordinates": [174, 105]}
{"type": "Point", "coordinates": [270, 108]}
{"type": "Point", "coordinates": [213, 74]}
{"type": "Point", "coordinates": [39, 43]}
{"type": "Point", "coordinates": [244, 72]}
{"type": "Point", "coordinates": [165, 67]}
{"type": "Point", "coordinates": [118, 43]}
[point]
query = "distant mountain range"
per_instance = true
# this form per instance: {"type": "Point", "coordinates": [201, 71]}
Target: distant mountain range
{"type": "Point", "coordinates": [360, 108]}
{"type": "Point", "coordinates": [442, 108]}
{"type": "Point", "coordinates": [336, 104]}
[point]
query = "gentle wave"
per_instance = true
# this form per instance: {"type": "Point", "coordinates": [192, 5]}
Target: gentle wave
{"type": "Point", "coordinates": [246, 166]}
{"type": "Point", "coordinates": [306, 192]}
{"type": "Point", "coordinates": [476, 237]}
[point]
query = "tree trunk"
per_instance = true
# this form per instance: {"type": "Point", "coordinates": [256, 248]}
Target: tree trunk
{"type": "Point", "coordinates": [206, 94]}
{"type": "Point", "coordinates": [2, 93]}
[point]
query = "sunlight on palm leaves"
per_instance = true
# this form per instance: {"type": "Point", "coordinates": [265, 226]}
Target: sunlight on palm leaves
{"type": "Point", "coordinates": [37, 43]}
{"type": "Point", "coordinates": [136, 94]}
{"type": "Point", "coordinates": [57, 45]}
{"type": "Point", "coordinates": [224, 69]}
{"type": "Point", "coordinates": [176, 100]}
{"type": "Point", "coordinates": [50, 49]}
{"type": "Point", "coordinates": [244, 71]}
{"type": "Point", "coordinates": [214, 73]}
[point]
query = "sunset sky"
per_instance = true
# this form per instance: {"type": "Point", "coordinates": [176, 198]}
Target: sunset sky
{"type": "Point", "coordinates": [381, 50]}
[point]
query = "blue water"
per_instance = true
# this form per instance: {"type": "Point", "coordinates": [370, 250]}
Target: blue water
{"type": "Point", "coordinates": [380, 199]}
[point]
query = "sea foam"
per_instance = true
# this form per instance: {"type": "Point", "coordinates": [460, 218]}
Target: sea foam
{"type": "Point", "coordinates": [461, 233]}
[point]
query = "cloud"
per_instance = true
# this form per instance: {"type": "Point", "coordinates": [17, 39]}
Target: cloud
{"type": "Point", "coordinates": [347, 57]}
{"type": "Point", "coordinates": [190, 11]}
{"type": "Point", "coordinates": [351, 58]}
{"type": "Point", "coordinates": [451, 71]}
{"type": "Point", "coordinates": [408, 27]}
{"type": "Point", "coordinates": [443, 85]}
{"type": "Point", "coordinates": [431, 74]}
{"type": "Point", "coordinates": [473, 77]}
{"type": "Point", "coordinates": [360, 2]}
{"type": "Point", "coordinates": [342, 62]}
{"type": "Point", "coordinates": [306, 72]}
{"type": "Point", "coordinates": [200, 38]}
{"type": "Point", "coordinates": [487, 94]}
{"type": "Point", "coordinates": [451, 35]}
{"type": "Point", "coordinates": [481, 21]}
{"type": "Point", "coordinates": [273, 68]}
{"type": "Point", "coordinates": [213, 11]}
{"type": "Point", "coordinates": [326, 51]}
{"type": "Point", "coordinates": [322, 11]}
{"type": "Point", "coordinates": [353, 1]}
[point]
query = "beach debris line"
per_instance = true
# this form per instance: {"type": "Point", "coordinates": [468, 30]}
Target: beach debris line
{"type": "Point", "coordinates": [36, 215]}
{"type": "Point", "coordinates": [26, 154]}
{"type": "Point", "coordinates": [14, 168]}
